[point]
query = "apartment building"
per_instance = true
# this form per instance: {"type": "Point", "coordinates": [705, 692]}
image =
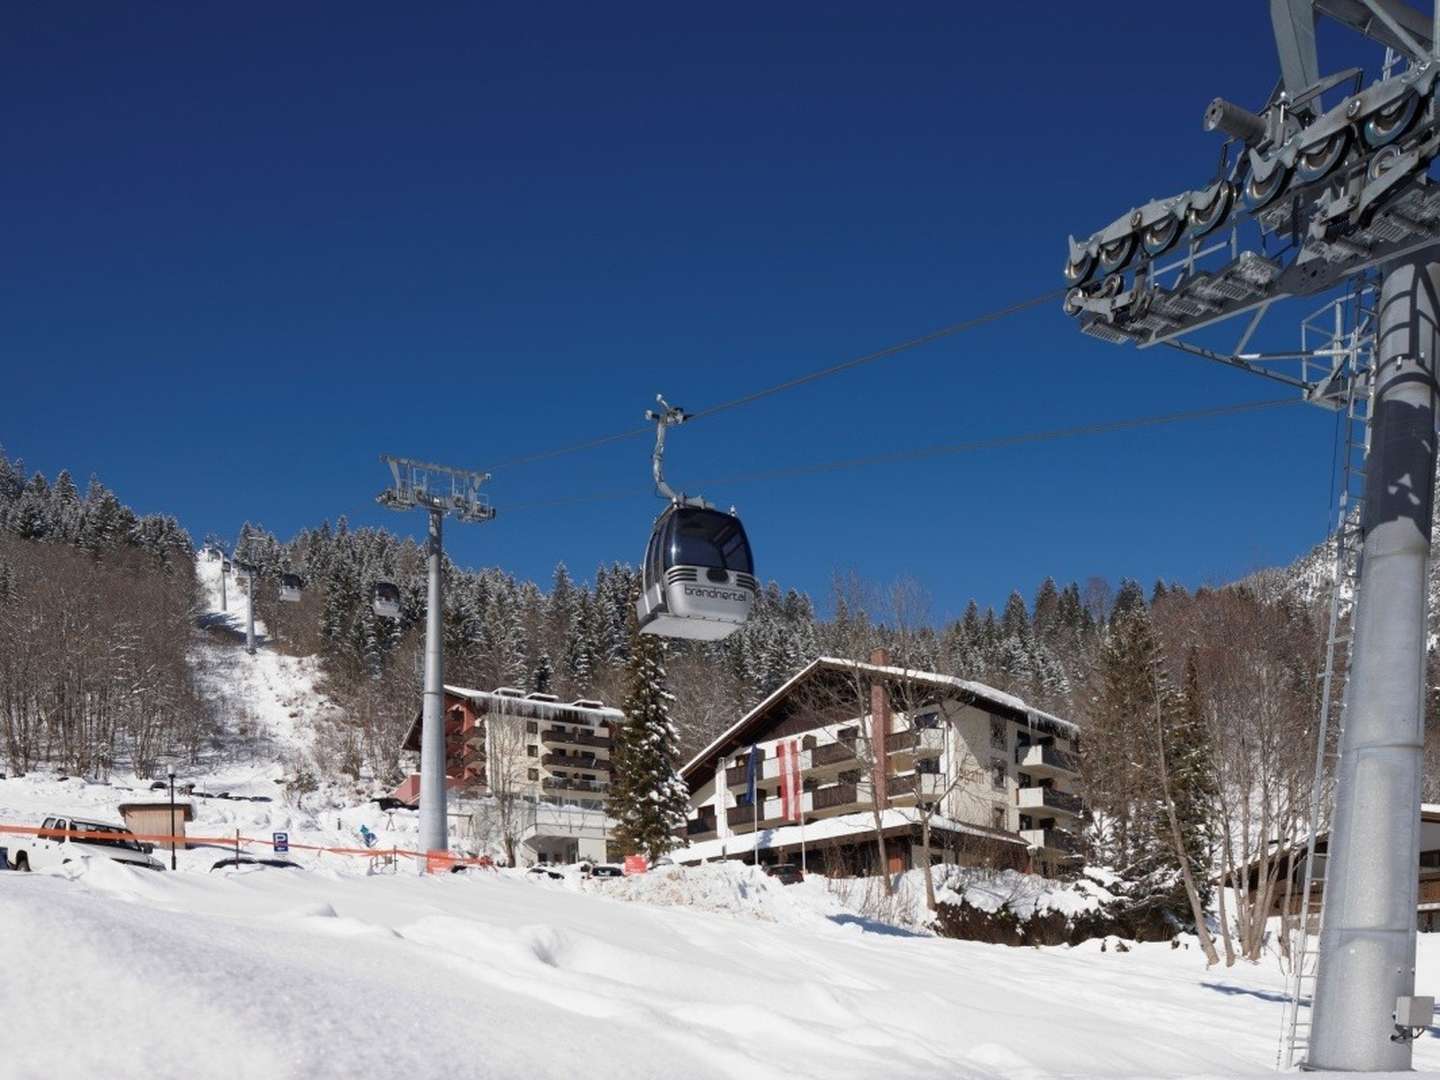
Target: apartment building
{"type": "Point", "coordinates": [539, 769]}
{"type": "Point", "coordinates": [994, 776]}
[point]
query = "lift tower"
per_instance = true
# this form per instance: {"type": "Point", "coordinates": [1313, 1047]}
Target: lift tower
{"type": "Point", "coordinates": [438, 490]}
{"type": "Point", "coordinates": [1326, 186]}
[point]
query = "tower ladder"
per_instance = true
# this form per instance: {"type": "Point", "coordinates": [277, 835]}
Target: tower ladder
{"type": "Point", "coordinates": [1304, 952]}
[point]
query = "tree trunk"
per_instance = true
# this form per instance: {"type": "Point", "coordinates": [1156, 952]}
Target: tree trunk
{"type": "Point", "coordinates": [925, 863]}
{"type": "Point", "coordinates": [1197, 912]}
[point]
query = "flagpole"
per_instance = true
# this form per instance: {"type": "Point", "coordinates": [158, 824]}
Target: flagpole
{"type": "Point", "coordinates": [800, 805]}
{"type": "Point", "coordinates": [755, 769]}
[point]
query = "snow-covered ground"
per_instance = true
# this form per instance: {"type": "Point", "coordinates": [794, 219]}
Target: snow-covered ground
{"type": "Point", "coordinates": [343, 969]}
{"type": "Point", "coordinates": [294, 973]}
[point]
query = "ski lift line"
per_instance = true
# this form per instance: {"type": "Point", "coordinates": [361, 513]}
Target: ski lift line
{"type": "Point", "coordinates": [942, 450]}
{"type": "Point", "coordinates": [800, 380]}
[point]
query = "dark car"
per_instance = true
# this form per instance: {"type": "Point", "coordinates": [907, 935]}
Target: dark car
{"type": "Point", "coordinates": [786, 873]}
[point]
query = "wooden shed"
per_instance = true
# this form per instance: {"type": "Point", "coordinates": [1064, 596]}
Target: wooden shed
{"type": "Point", "coordinates": [153, 819]}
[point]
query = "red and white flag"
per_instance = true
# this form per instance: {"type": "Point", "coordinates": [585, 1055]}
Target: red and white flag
{"type": "Point", "coordinates": [790, 786]}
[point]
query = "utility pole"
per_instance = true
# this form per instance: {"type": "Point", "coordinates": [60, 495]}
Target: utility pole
{"type": "Point", "coordinates": [458, 493]}
{"type": "Point", "coordinates": [224, 562]}
{"type": "Point", "coordinates": [1367, 938]}
{"type": "Point", "coordinates": [1326, 186]}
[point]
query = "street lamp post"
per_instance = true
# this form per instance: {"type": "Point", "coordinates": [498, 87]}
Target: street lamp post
{"type": "Point", "coordinates": [172, 819]}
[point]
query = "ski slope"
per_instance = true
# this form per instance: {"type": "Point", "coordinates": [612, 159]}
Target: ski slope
{"type": "Point", "coordinates": [293, 973]}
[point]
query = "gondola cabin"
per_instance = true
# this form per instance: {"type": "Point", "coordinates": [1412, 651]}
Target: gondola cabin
{"type": "Point", "coordinates": [290, 588]}
{"type": "Point", "coordinates": [387, 600]}
{"type": "Point", "coordinates": [698, 579]}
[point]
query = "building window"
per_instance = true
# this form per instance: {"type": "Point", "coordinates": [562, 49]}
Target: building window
{"type": "Point", "coordinates": [997, 817]}
{"type": "Point", "coordinates": [997, 774]}
{"type": "Point", "coordinates": [927, 719]}
{"type": "Point", "coordinates": [1430, 859]}
{"type": "Point", "coordinates": [532, 750]}
{"type": "Point", "coordinates": [531, 727]}
{"type": "Point", "coordinates": [998, 735]}
{"type": "Point", "coordinates": [534, 774]}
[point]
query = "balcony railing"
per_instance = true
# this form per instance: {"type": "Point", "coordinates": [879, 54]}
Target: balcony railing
{"type": "Point", "coordinates": [560, 783]}
{"type": "Point", "coordinates": [839, 795]}
{"type": "Point", "coordinates": [923, 741]}
{"type": "Point", "coordinates": [743, 817]}
{"type": "Point", "coordinates": [561, 760]}
{"type": "Point", "coordinates": [701, 826]}
{"type": "Point", "coordinates": [1044, 798]}
{"type": "Point", "coordinates": [576, 738]}
{"type": "Point", "coordinates": [1036, 756]}
{"type": "Point", "coordinates": [1052, 840]}
{"type": "Point", "coordinates": [927, 784]}
{"type": "Point", "coordinates": [836, 753]}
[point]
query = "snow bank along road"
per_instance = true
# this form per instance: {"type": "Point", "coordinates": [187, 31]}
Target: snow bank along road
{"type": "Point", "coordinates": [116, 972]}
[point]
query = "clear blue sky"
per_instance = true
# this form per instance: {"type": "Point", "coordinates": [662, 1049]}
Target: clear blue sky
{"type": "Point", "coordinates": [246, 249]}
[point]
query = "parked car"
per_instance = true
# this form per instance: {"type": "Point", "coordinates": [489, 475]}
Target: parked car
{"type": "Point", "coordinates": [53, 847]}
{"type": "Point", "coordinates": [542, 870]}
{"type": "Point", "coordinates": [786, 873]}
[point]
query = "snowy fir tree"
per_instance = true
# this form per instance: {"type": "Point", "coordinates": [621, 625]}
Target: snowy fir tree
{"type": "Point", "coordinates": [647, 797]}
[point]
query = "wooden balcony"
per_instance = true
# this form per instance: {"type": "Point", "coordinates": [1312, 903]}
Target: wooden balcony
{"type": "Point", "coordinates": [558, 759]}
{"type": "Point", "coordinates": [576, 738]}
{"type": "Point", "coordinates": [904, 789]}
{"type": "Point", "coordinates": [836, 753]}
{"type": "Point", "coordinates": [842, 795]}
{"type": "Point", "coordinates": [579, 787]}
{"type": "Point", "coordinates": [701, 828]}
{"type": "Point", "coordinates": [1055, 841]}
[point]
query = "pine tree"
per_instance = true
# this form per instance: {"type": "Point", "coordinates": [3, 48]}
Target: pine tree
{"type": "Point", "coordinates": [1046, 620]}
{"type": "Point", "coordinates": [647, 797]}
{"type": "Point", "coordinates": [543, 675]}
{"type": "Point", "coordinates": [1015, 622]}
{"type": "Point", "coordinates": [1192, 778]}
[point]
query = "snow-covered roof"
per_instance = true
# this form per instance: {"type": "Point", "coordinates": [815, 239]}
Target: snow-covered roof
{"type": "Point", "coordinates": [546, 706]}
{"type": "Point", "coordinates": [966, 689]}
{"type": "Point", "coordinates": [834, 828]}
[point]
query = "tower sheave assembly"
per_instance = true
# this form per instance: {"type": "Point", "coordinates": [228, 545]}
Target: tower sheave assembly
{"type": "Point", "coordinates": [1326, 188]}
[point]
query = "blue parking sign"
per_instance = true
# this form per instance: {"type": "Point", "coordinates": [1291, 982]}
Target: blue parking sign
{"type": "Point", "coordinates": [281, 841]}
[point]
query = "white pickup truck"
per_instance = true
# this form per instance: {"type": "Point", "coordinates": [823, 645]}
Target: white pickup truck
{"type": "Point", "coordinates": [54, 847]}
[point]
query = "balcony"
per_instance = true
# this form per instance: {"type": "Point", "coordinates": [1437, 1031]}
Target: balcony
{"type": "Point", "coordinates": [571, 737]}
{"type": "Point", "coordinates": [836, 753]}
{"type": "Point", "coordinates": [1055, 841]}
{"type": "Point", "coordinates": [842, 797]}
{"type": "Point", "coordinates": [916, 742]}
{"type": "Point", "coordinates": [1046, 761]}
{"type": "Point", "coordinates": [701, 828]}
{"type": "Point", "coordinates": [904, 790]}
{"type": "Point", "coordinates": [561, 760]}
{"type": "Point", "coordinates": [580, 787]}
{"type": "Point", "coordinates": [1042, 801]}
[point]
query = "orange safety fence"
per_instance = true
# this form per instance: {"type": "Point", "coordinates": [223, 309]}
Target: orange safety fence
{"type": "Point", "coordinates": [436, 862]}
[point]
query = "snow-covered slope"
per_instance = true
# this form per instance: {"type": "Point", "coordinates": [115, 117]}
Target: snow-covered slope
{"type": "Point", "coordinates": [301, 974]}
{"type": "Point", "coordinates": [268, 706]}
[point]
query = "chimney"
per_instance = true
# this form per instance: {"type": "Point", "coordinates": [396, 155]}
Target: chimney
{"type": "Point", "coordinates": [879, 728]}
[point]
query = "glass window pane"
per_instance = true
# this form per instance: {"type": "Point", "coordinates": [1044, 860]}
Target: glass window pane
{"type": "Point", "coordinates": [709, 538]}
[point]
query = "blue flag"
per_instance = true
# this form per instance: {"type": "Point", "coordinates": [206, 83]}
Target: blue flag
{"type": "Point", "coordinates": [752, 770]}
